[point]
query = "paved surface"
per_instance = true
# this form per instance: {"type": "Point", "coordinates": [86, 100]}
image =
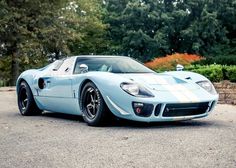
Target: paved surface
{"type": "Point", "coordinates": [55, 140]}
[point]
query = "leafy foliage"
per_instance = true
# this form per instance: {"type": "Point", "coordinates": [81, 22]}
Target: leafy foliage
{"type": "Point", "coordinates": [215, 72]}
{"type": "Point", "coordinates": [91, 27]}
{"type": "Point", "coordinates": [223, 60]}
{"type": "Point", "coordinates": [230, 73]}
{"type": "Point", "coordinates": [34, 32]}
{"type": "Point", "coordinates": [170, 61]}
{"type": "Point", "coordinates": [146, 28]}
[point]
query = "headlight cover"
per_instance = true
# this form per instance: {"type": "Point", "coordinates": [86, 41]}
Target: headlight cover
{"type": "Point", "coordinates": [136, 90]}
{"type": "Point", "coordinates": [207, 86]}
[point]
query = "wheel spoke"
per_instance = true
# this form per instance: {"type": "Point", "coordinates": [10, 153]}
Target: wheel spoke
{"type": "Point", "coordinates": [94, 110]}
{"type": "Point", "coordinates": [89, 106]}
{"type": "Point", "coordinates": [91, 102]}
{"type": "Point", "coordinates": [96, 106]}
{"type": "Point", "coordinates": [25, 101]}
{"type": "Point", "coordinates": [92, 99]}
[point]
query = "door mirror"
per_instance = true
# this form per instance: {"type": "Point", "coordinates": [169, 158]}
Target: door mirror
{"type": "Point", "coordinates": [179, 67]}
{"type": "Point", "coordinates": [83, 68]}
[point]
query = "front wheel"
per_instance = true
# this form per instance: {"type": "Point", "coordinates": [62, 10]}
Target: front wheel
{"type": "Point", "coordinates": [92, 105]}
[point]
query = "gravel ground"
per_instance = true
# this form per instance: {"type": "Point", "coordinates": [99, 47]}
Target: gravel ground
{"type": "Point", "coordinates": [56, 140]}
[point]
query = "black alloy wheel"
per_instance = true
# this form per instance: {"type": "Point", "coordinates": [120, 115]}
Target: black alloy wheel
{"type": "Point", "coordinates": [25, 99]}
{"type": "Point", "coordinates": [92, 105]}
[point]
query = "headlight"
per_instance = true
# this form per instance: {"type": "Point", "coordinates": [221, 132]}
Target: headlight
{"type": "Point", "coordinates": [207, 86]}
{"type": "Point", "coordinates": [136, 90]}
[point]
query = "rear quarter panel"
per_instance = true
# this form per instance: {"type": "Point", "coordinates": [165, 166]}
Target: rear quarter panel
{"type": "Point", "coordinates": [28, 76]}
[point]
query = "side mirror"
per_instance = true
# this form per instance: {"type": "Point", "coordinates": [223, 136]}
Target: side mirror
{"type": "Point", "coordinates": [179, 67]}
{"type": "Point", "coordinates": [83, 68]}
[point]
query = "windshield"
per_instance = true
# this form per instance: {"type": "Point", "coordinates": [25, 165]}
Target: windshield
{"type": "Point", "coordinates": [111, 64]}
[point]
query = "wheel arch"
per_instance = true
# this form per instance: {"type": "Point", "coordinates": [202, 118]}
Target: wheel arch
{"type": "Point", "coordinates": [28, 77]}
{"type": "Point", "coordinates": [107, 114]}
{"type": "Point", "coordinates": [19, 81]}
{"type": "Point", "coordinates": [83, 84]}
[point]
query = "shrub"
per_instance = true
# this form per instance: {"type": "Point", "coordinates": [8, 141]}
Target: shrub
{"type": "Point", "coordinates": [230, 73]}
{"type": "Point", "coordinates": [212, 72]}
{"type": "Point", "coordinates": [169, 62]}
{"type": "Point", "coordinates": [222, 60]}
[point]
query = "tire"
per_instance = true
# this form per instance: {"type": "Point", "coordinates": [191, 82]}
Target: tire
{"type": "Point", "coordinates": [25, 99]}
{"type": "Point", "coordinates": [92, 105]}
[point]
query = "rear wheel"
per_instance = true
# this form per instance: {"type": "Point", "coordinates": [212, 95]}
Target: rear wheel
{"type": "Point", "coordinates": [26, 103]}
{"type": "Point", "coordinates": [92, 105]}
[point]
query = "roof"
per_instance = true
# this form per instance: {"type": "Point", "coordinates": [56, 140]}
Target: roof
{"type": "Point", "coordinates": [102, 56]}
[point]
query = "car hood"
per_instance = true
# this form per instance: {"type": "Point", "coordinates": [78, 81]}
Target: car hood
{"type": "Point", "coordinates": [161, 81]}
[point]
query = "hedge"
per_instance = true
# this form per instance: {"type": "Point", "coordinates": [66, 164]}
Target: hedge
{"type": "Point", "coordinates": [214, 72]}
{"type": "Point", "coordinates": [222, 60]}
{"type": "Point", "coordinates": [230, 73]}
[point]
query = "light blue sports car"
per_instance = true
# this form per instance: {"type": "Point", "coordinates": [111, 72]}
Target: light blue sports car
{"type": "Point", "coordinates": [94, 86]}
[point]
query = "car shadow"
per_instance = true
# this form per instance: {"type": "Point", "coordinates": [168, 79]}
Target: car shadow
{"type": "Point", "coordinates": [63, 116]}
{"type": "Point", "coordinates": [118, 123]}
{"type": "Point", "coordinates": [188, 123]}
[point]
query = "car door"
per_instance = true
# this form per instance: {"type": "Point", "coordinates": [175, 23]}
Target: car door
{"type": "Point", "coordinates": [57, 94]}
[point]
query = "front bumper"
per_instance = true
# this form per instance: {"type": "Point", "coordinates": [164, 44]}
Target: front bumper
{"type": "Point", "coordinates": [127, 112]}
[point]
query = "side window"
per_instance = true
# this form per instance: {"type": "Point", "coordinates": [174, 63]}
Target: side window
{"type": "Point", "coordinates": [94, 64]}
{"type": "Point", "coordinates": [57, 65]}
{"type": "Point", "coordinates": [66, 68]}
{"type": "Point", "coordinates": [80, 61]}
{"type": "Point", "coordinates": [77, 70]}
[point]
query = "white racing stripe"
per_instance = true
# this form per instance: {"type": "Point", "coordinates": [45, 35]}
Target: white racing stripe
{"type": "Point", "coordinates": [161, 81]}
{"type": "Point", "coordinates": [171, 89]}
{"type": "Point", "coordinates": [178, 94]}
{"type": "Point", "coordinates": [188, 93]}
{"type": "Point", "coordinates": [183, 94]}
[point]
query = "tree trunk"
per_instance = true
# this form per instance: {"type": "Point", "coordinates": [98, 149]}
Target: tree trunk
{"type": "Point", "coordinates": [57, 55]}
{"type": "Point", "coordinates": [14, 68]}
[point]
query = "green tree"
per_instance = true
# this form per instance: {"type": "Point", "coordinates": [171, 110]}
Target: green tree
{"type": "Point", "coordinates": [148, 28]}
{"type": "Point", "coordinates": [33, 32]}
{"type": "Point", "coordinates": [91, 27]}
{"type": "Point", "coordinates": [132, 28]}
{"type": "Point", "coordinates": [23, 25]}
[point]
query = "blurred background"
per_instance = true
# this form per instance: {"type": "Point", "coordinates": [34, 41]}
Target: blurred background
{"type": "Point", "coordinates": [199, 34]}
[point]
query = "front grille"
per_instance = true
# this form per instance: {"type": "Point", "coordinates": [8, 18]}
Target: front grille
{"type": "Point", "coordinates": [185, 109]}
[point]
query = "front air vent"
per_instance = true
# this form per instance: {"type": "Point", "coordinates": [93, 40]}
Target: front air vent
{"type": "Point", "coordinates": [212, 105]}
{"type": "Point", "coordinates": [185, 109]}
{"type": "Point", "coordinates": [142, 109]}
{"type": "Point", "coordinates": [158, 109]}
